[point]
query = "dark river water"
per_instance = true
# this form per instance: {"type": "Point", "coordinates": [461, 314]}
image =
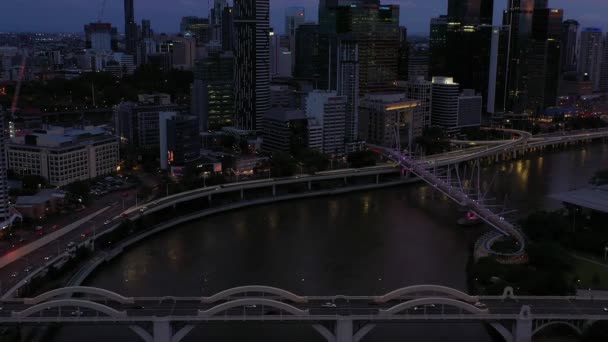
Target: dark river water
{"type": "Point", "coordinates": [362, 243]}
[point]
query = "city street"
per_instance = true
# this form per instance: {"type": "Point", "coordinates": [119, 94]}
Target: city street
{"type": "Point", "coordinates": [113, 204]}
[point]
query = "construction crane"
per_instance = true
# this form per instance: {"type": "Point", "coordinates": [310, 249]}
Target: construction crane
{"type": "Point", "coordinates": [101, 10]}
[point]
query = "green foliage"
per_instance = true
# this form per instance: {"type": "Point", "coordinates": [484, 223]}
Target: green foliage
{"type": "Point", "coordinates": [598, 331]}
{"type": "Point", "coordinates": [433, 140]}
{"type": "Point", "coordinates": [280, 164]}
{"type": "Point", "coordinates": [361, 159]}
{"type": "Point", "coordinates": [313, 161]}
{"type": "Point", "coordinates": [79, 189]}
{"type": "Point", "coordinates": [600, 178]}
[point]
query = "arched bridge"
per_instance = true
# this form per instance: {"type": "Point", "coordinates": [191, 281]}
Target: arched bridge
{"type": "Point", "coordinates": [339, 318]}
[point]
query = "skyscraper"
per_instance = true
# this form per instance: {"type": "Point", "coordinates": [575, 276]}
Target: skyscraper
{"type": "Point", "coordinates": [604, 75]}
{"type": "Point", "coordinates": [4, 197]}
{"type": "Point", "coordinates": [130, 28]}
{"type": "Point", "coordinates": [471, 12]}
{"type": "Point", "coordinates": [252, 62]}
{"type": "Point", "coordinates": [307, 54]}
{"type": "Point", "coordinates": [534, 58]}
{"type": "Point", "coordinates": [590, 56]}
{"type": "Point", "coordinates": [294, 17]}
{"type": "Point", "coordinates": [228, 29]}
{"type": "Point", "coordinates": [213, 91]}
{"type": "Point", "coordinates": [216, 16]}
{"type": "Point", "coordinates": [569, 39]}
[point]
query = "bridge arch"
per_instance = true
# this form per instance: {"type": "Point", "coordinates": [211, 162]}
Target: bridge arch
{"type": "Point", "coordinates": [78, 289]}
{"type": "Point", "coordinates": [256, 289]}
{"type": "Point", "coordinates": [444, 290]}
{"type": "Point", "coordinates": [543, 326]}
{"type": "Point", "coordinates": [437, 300]}
{"type": "Point", "coordinates": [252, 301]}
{"type": "Point", "coordinates": [69, 302]}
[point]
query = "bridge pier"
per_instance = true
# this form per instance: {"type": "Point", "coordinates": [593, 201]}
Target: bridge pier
{"type": "Point", "coordinates": [344, 331]}
{"type": "Point", "coordinates": [522, 331]}
{"type": "Point", "coordinates": [274, 190]}
{"type": "Point", "coordinates": [162, 331]}
{"type": "Point", "coordinates": [309, 185]}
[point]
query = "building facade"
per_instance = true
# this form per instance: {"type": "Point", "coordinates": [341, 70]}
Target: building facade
{"type": "Point", "coordinates": [590, 56]}
{"type": "Point", "coordinates": [252, 62]}
{"type": "Point", "coordinates": [180, 140]}
{"type": "Point", "coordinates": [63, 156]}
{"type": "Point", "coordinates": [285, 130]}
{"type": "Point", "coordinates": [213, 91]}
{"type": "Point", "coordinates": [329, 111]}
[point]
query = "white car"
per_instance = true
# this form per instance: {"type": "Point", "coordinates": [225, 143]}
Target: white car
{"type": "Point", "coordinates": [480, 305]}
{"type": "Point", "coordinates": [77, 313]}
{"type": "Point", "coordinates": [107, 222]}
{"type": "Point", "coordinates": [329, 305]}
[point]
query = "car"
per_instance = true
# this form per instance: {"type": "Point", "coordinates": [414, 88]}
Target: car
{"type": "Point", "coordinates": [251, 306]}
{"type": "Point", "coordinates": [107, 222]}
{"type": "Point", "coordinates": [38, 228]}
{"type": "Point", "coordinates": [48, 257]}
{"type": "Point", "coordinates": [480, 305]}
{"type": "Point", "coordinates": [422, 307]}
{"type": "Point", "coordinates": [14, 274]}
{"type": "Point", "coordinates": [55, 227]}
{"type": "Point", "coordinates": [605, 309]}
{"type": "Point", "coordinates": [329, 305]}
{"type": "Point", "coordinates": [40, 233]}
{"type": "Point", "coordinates": [77, 313]}
{"type": "Point", "coordinates": [28, 269]}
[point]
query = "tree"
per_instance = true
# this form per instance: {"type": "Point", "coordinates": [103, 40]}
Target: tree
{"type": "Point", "coordinates": [280, 164]}
{"type": "Point", "coordinates": [361, 159]}
{"type": "Point", "coordinates": [313, 160]}
{"type": "Point", "coordinates": [433, 140]}
{"type": "Point", "coordinates": [599, 178]}
{"type": "Point", "coordinates": [79, 189]}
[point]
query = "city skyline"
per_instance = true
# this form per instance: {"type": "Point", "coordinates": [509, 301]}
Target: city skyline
{"type": "Point", "coordinates": [50, 16]}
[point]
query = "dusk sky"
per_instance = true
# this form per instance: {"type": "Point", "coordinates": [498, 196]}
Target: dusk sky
{"type": "Point", "coordinates": [71, 15]}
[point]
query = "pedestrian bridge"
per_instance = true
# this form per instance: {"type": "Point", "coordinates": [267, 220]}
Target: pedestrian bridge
{"type": "Point", "coordinates": [338, 318]}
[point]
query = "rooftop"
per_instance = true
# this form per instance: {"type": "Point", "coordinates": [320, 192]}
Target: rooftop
{"type": "Point", "coordinates": [591, 198]}
{"type": "Point", "coordinates": [41, 197]}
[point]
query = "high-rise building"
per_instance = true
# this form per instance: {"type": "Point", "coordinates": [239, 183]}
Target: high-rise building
{"type": "Point", "coordinates": [280, 55]}
{"type": "Point", "coordinates": [590, 56]}
{"type": "Point", "coordinates": [444, 103]}
{"type": "Point", "coordinates": [100, 37]}
{"type": "Point", "coordinates": [349, 82]}
{"type": "Point", "coordinates": [179, 139]}
{"type": "Point", "coordinates": [4, 197]}
{"type": "Point", "coordinates": [471, 12]}
{"type": "Point", "coordinates": [184, 53]}
{"type": "Point", "coordinates": [569, 44]}
{"type": "Point", "coordinates": [404, 51]}
{"type": "Point", "coordinates": [328, 109]}
{"type": "Point", "coordinates": [227, 29]}
{"type": "Point", "coordinates": [604, 76]}
{"type": "Point", "coordinates": [294, 17]}
{"type": "Point", "coordinates": [216, 17]}
{"type": "Point", "coordinates": [284, 129]}
{"type": "Point", "coordinates": [438, 53]}
{"type": "Point", "coordinates": [535, 32]}
{"type": "Point", "coordinates": [420, 90]}
{"type": "Point", "coordinates": [307, 53]}
{"type": "Point", "coordinates": [385, 115]}
{"type": "Point", "coordinates": [496, 96]}
{"type": "Point", "coordinates": [130, 28]}
{"type": "Point", "coordinates": [418, 62]}
{"type": "Point", "coordinates": [213, 91]}
{"type": "Point", "coordinates": [252, 62]}
{"type": "Point", "coordinates": [469, 109]}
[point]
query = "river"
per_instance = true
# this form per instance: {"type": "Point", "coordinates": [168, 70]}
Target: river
{"type": "Point", "coordinates": [360, 243]}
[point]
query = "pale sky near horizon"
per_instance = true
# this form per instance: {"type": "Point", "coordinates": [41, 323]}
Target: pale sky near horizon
{"type": "Point", "coordinates": [72, 15]}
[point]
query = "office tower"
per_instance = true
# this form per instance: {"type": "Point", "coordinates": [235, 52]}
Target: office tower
{"type": "Point", "coordinates": [285, 130]}
{"type": "Point", "coordinates": [438, 53]}
{"type": "Point", "coordinates": [444, 103]}
{"type": "Point", "coordinates": [4, 197]}
{"type": "Point", "coordinates": [471, 12]}
{"type": "Point", "coordinates": [569, 44]}
{"type": "Point", "coordinates": [328, 109]}
{"type": "Point", "coordinates": [307, 53]}
{"type": "Point", "coordinates": [179, 139]}
{"type": "Point", "coordinates": [130, 28]}
{"type": "Point", "coordinates": [420, 90]}
{"type": "Point", "coordinates": [404, 51]}
{"type": "Point", "coordinates": [227, 29]}
{"type": "Point", "coordinates": [213, 91]}
{"type": "Point", "coordinates": [604, 74]}
{"type": "Point", "coordinates": [252, 62]}
{"type": "Point", "coordinates": [469, 109]}
{"type": "Point", "coordinates": [496, 97]}
{"type": "Point", "coordinates": [280, 56]}
{"type": "Point", "coordinates": [384, 115]}
{"type": "Point", "coordinates": [535, 41]}
{"type": "Point", "coordinates": [99, 37]}
{"type": "Point", "coordinates": [216, 16]}
{"type": "Point", "coordinates": [294, 17]}
{"type": "Point", "coordinates": [183, 52]}
{"type": "Point", "coordinates": [418, 62]}
{"type": "Point", "coordinates": [349, 82]}
{"type": "Point", "coordinates": [590, 56]}
{"type": "Point", "coordinates": [198, 27]}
